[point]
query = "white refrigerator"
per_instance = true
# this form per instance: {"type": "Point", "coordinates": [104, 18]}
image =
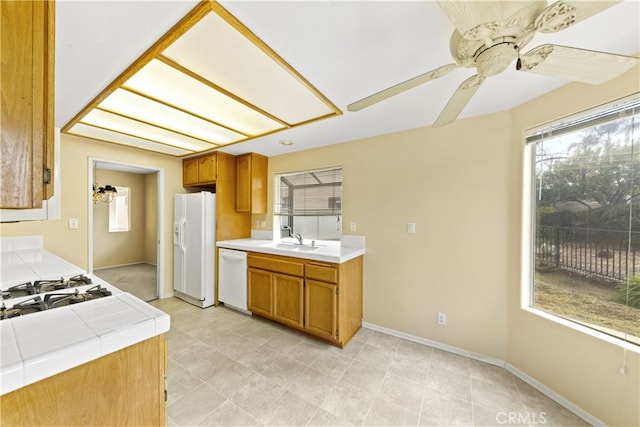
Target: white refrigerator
{"type": "Point", "coordinates": [194, 231]}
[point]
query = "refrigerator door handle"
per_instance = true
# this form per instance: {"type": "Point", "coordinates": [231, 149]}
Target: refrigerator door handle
{"type": "Point", "coordinates": [182, 226]}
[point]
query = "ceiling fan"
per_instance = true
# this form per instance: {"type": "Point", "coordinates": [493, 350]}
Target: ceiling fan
{"type": "Point", "coordinates": [489, 37]}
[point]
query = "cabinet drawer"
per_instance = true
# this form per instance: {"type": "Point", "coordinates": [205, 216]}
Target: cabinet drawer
{"type": "Point", "coordinates": [323, 272]}
{"type": "Point", "coordinates": [278, 265]}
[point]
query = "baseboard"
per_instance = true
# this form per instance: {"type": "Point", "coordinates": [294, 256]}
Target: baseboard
{"type": "Point", "coordinates": [570, 406]}
{"type": "Point", "coordinates": [436, 344]}
{"type": "Point", "coordinates": [124, 265]}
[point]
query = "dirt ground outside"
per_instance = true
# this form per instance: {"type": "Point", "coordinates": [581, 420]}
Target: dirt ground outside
{"type": "Point", "coordinates": [594, 301]}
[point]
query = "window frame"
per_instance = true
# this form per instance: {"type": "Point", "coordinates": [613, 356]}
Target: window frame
{"type": "Point", "coordinates": [528, 217]}
{"type": "Point", "coordinates": [286, 218]}
{"type": "Point", "coordinates": [122, 192]}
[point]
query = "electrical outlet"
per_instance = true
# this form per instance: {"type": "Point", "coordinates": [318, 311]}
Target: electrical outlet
{"type": "Point", "coordinates": [442, 319]}
{"type": "Point", "coordinates": [623, 370]}
{"type": "Point", "coordinates": [352, 226]}
{"type": "Point", "coordinates": [263, 224]}
{"type": "Point", "coordinates": [73, 223]}
{"type": "Point", "coordinates": [411, 227]}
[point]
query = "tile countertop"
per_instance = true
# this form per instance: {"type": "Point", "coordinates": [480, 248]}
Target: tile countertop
{"type": "Point", "coordinates": [40, 345]}
{"type": "Point", "coordinates": [337, 252]}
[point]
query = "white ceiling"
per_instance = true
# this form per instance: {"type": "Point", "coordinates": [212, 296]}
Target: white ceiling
{"type": "Point", "coordinates": [346, 49]}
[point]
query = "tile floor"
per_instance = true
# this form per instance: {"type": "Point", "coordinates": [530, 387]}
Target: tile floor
{"type": "Point", "coordinates": [137, 279]}
{"type": "Point", "coordinates": [226, 368]}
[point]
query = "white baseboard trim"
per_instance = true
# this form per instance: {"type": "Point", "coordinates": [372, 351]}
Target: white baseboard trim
{"type": "Point", "coordinates": [123, 265]}
{"type": "Point", "coordinates": [577, 410]}
{"type": "Point", "coordinates": [436, 344]}
{"type": "Point", "coordinates": [570, 406]}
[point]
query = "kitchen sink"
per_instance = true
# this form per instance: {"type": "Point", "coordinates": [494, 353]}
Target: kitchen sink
{"type": "Point", "coordinates": [292, 246]}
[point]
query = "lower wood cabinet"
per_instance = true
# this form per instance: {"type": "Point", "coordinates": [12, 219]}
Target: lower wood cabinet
{"type": "Point", "coordinates": [126, 387]}
{"type": "Point", "coordinates": [288, 299]}
{"type": "Point", "coordinates": [322, 299]}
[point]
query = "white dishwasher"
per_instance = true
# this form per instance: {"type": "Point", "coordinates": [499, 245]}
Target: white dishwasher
{"type": "Point", "coordinates": [232, 279]}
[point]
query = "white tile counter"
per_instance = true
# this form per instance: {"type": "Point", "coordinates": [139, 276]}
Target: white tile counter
{"type": "Point", "coordinates": [40, 345]}
{"type": "Point", "coordinates": [337, 252]}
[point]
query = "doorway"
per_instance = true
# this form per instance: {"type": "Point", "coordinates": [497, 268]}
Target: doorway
{"type": "Point", "coordinates": [129, 257]}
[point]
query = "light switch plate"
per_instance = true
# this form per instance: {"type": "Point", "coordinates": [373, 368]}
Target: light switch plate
{"type": "Point", "coordinates": [73, 223]}
{"type": "Point", "coordinates": [411, 227]}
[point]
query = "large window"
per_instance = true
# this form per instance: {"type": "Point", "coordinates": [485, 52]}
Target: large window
{"type": "Point", "coordinates": [586, 219]}
{"type": "Point", "coordinates": [309, 203]}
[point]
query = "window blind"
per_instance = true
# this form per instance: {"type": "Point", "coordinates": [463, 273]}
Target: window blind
{"type": "Point", "coordinates": [309, 193]}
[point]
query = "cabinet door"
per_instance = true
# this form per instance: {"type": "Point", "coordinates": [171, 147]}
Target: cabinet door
{"type": "Point", "coordinates": [190, 171]}
{"type": "Point", "coordinates": [207, 168]}
{"type": "Point", "coordinates": [288, 299]}
{"type": "Point", "coordinates": [251, 181]}
{"type": "Point", "coordinates": [320, 309]}
{"type": "Point", "coordinates": [243, 183]}
{"type": "Point", "coordinates": [27, 43]}
{"type": "Point", "coordinates": [259, 292]}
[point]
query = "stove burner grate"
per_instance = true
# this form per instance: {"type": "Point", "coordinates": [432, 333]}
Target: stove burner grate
{"type": "Point", "coordinates": [20, 290]}
{"type": "Point", "coordinates": [52, 300]}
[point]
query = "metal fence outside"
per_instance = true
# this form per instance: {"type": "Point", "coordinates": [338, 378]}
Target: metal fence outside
{"type": "Point", "coordinates": [591, 252]}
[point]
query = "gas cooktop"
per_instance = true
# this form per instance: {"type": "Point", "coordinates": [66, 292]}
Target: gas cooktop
{"type": "Point", "coordinates": [32, 297]}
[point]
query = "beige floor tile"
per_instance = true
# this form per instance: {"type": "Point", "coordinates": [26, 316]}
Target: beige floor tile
{"type": "Point", "coordinates": [260, 358]}
{"type": "Point", "coordinates": [312, 385]}
{"type": "Point", "coordinates": [327, 419]}
{"type": "Point", "coordinates": [227, 368]}
{"type": "Point", "coordinates": [289, 410]}
{"type": "Point", "coordinates": [409, 367]}
{"type": "Point", "coordinates": [364, 375]}
{"type": "Point", "coordinates": [194, 406]}
{"type": "Point", "coordinates": [442, 410]}
{"type": "Point", "coordinates": [348, 402]}
{"type": "Point", "coordinates": [385, 413]}
{"type": "Point", "coordinates": [402, 392]}
{"type": "Point", "coordinates": [495, 398]}
{"type": "Point", "coordinates": [450, 383]}
{"type": "Point", "coordinates": [284, 370]}
{"type": "Point", "coordinates": [375, 356]}
{"type": "Point", "coordinates": [454, 362]}
{"type": "Point", "coordinates": [179, 381]}
{"type": "Point", "coordinates": [228, 414]}
{"type": "Point", "coordinates": [256, 396]}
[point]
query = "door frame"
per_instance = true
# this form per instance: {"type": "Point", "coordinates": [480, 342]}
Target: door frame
{"type": "Point", "coordinates": [160, 217]}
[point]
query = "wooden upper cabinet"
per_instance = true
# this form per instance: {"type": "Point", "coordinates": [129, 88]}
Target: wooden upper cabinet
{"type": "Point", "coordinates": [208, 168]}
{"type": "Point", "coordinates": [251, 181]}
{"type": "Point", "coordinates": [27, 72]}
{"type": "Point", "coordinates": [201, 170]}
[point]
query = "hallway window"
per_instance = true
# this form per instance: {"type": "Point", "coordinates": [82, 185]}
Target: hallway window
{"type": "Point", "coordinates": [120, 211]}
{"type": "Point", "coordinates": [585, 244]}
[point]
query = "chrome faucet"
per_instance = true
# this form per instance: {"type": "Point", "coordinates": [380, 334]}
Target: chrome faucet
{"type": "Point", "coordinates": [298, 236]}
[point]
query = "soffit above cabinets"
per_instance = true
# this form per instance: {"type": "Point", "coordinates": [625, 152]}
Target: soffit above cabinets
{"type": "Point", "coordinates": [207, 83]}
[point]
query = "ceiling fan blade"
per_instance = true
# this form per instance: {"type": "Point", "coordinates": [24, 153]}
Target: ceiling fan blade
{"type": "Point", "coordinates": [581, 65]}
{"type": "Point", "coordinates": [489, 16]}
{"type": "Point", "coordinates": [401, 87]}
{"type": "Point", "coordinates": [459, 100]}
{"type": "Point", "coordinates": [563, 14]}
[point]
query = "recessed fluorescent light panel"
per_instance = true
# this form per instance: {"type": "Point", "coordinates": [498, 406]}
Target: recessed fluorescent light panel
{"type": "Point", "coordinates": [207, 83]}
